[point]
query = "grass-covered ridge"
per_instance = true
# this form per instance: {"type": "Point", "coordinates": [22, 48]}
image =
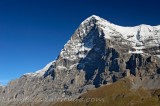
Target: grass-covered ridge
{"type": "Point", "coordinates": [117, 94]}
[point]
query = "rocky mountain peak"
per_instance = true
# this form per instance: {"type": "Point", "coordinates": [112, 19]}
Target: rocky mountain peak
{"type": "Point", "coordinates": [98, 53]}
{"type": "Point", "coordinates": [92, 18]}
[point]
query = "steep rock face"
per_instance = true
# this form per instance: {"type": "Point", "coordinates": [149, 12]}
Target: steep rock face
{"type": "Point", "coordinates": [98, 53]}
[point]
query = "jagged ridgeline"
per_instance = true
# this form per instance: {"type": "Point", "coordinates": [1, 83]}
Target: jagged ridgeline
{"type": "Point", "coordinates": [98, 53]}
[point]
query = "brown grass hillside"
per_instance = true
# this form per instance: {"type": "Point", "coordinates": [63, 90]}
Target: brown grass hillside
{"type": "Point", "coordinates": [117, 94]}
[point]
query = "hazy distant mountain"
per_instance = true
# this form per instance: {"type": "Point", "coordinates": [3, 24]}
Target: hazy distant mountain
{"type": "Point", "coordinates": [98, 53]}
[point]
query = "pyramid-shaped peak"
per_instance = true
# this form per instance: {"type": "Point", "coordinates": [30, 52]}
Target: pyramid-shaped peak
{"type": "Point", "coordinates": [95, 16]}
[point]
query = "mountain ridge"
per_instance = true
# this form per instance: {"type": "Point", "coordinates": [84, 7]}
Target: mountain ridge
{"type": "Point", "coordinates": [97, 53]}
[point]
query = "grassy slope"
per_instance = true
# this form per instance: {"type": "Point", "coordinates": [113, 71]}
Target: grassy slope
{"type": "Point", "coordinates": [117, 94]}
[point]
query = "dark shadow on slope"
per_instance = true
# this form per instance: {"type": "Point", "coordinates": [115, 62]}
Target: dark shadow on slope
{"type": "Point", "coordinates": [50, 71]}
{"type": "Point", "coordinates": [158, 71]}
{"type": "Point", "coordinates": [113, 66]}
{"type": "Point", "coordinates": [93, 63]}
{"type": "Point", "coordinates": [134, 61]}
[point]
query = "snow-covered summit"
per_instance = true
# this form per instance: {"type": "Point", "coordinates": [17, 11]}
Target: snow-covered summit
{"type": "Point", "coordinates": [141, 35]}
{"type": "Point", "coordinates": [145, 34]}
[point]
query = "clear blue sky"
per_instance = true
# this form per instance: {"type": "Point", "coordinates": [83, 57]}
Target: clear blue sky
{"type": "Point", "coordinates": [33, 32]}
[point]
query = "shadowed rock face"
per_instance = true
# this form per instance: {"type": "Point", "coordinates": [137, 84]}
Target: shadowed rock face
{"type": "Point", "coordinates": [89, 59]}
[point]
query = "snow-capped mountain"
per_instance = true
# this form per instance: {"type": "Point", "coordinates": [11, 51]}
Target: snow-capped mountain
{"type": "Point", "coordinates": [98, 53]}
{"type": "Point", "coordinates": [138, 37]}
